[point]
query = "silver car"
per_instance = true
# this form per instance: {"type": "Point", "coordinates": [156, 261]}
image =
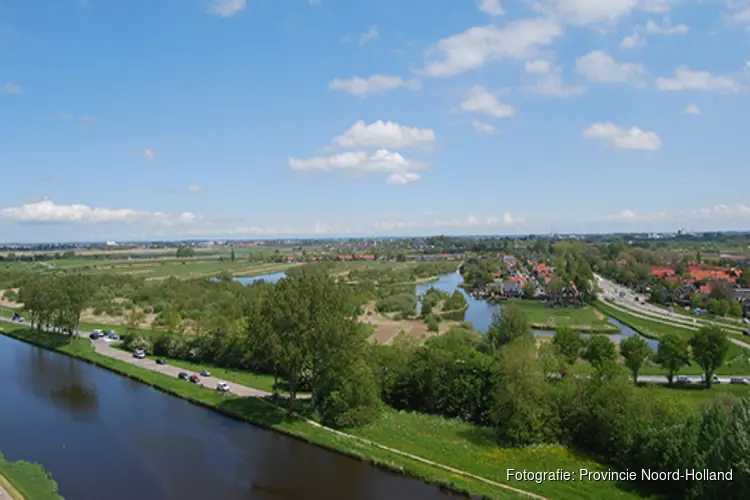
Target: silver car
{"type": "Point", "coordinates": [739, 380]}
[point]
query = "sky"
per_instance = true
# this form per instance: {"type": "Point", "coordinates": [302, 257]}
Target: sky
{"type": "Point", "coordinates": [248, 119]}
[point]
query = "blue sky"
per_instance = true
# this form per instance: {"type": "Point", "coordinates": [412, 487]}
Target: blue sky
{"type": "Point", "coordinates": [261, 118]}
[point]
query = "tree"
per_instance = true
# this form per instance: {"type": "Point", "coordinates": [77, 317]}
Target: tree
{"type": "Point", "coordinates": [184, 252]}
{"type": "Point", "coordinates": [636, 351]}
{"type": "Point", "coordinates": [709, 348]}
{"type": "Point", "coordinates": [672, 354]}
{"type": "Point", "coordinates": [529, 290]}
{"type": "Point", "coordinates": [696, 300]}
{"type": "Point", "coordinates": [231, 255]}
{"type": "Point", "coordinates": [723, 307]}
{"type": "Point", "coordinates": [133, 319]}
{"type": "Point", "coordinates": [507, 324]}
{"type": "Point", "coordinates": [600, 351]}
{"type": "Point", "coordinates": [524, 411]}
{"type": "Point", "coordinates": [735, 309]}
{"type": "Point", "coordinates": [568, 344]}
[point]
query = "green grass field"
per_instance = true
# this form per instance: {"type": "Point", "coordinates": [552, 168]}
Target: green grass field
{"type": "Point", "coordinates": [28, 479]}
{"type": "Point", "coordinates": [545, 317]}
{"type": "Point", "coordinates": [731, 324]}
{"type": "Point", "coordinates": [449, 442]}
{"type": "Point", "coordinates": [647, 328]}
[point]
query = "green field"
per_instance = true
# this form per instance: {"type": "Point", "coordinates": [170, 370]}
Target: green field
{"type": "Point", "coordinates": [734, 325]}
{"type": "Point", "coordinates": [444, 441]}
{"type": "Point", "coordinates": [647, 328]}
{"type": "Point", "coordinates": [30, 480]}
{"type": "Point", "coordinates": [542, 316]}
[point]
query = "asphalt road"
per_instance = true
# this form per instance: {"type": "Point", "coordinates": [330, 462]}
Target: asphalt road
{"type": "Point", "coordinates": [104, 348]}
{"type": "Point", "coordinates": [641, 309]}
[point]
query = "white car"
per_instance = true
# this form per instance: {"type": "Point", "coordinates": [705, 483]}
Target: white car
{"type": "Point", "coordinates": [139, 353]}
{"type": "Point", "coordinates": [222, 387]}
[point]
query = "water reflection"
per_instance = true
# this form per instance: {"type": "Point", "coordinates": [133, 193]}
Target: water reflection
{"type": "Point", "coordinates": [268, 278]}
{"type": "Point", "coordinates": [60, 383]}
{"type": "Point", "coordinates": [143, 443]}
{"type": "Point", "coordinates": [480, 312]}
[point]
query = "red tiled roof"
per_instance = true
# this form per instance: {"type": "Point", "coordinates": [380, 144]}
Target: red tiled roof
{"type": "Point", "coordinates": [661, 271]}
{"type": "Point", "coordinates": [706, 289]}
{"type": "Point", "coordinates": [495, 275]}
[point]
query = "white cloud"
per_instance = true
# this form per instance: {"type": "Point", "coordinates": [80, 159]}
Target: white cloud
{"type": "Point", "coordinates": [11, 88]}
{"type": "Point", "coordinates": [314, 2]}
{"type": "Point", "coordinates": [484, 128]}
{"type": "Point", "coordinates": [742, 16]}
{"type": "Point", "coordinates": [473, 222]}
{"type": "Point", "coordinates": [148, 153]}
{"type": "Point", "coordinates": [358, 162]}
{"type": "Point", "coordinates": [46, 211]}
{"type": "Point", "coordinates": [382, 134]}
{"type": "Point", "coordinates": [666, 28]}
{"type": "Point", "coordinates": [226, 8]}
{"type": "Point", "coordinates": [551, 84]}
{"type": "Point", "coordinates": [474, 47]}
{"type": "Point", "coordinates": [403, 178]}
{"type": "Point", "coordinates": [491, 7]}
{"type": "Point", "coordinates": [687, 79]}
{"type": "Point", "coordinates": [196, 188]}
{"type": "Point", "coordinates": [369, 35]}
{"type": "Point", "coordinates": [714, 213]}
{"type": "Point", "coordinates": [376, 84]}
{"type": "Point", "coordinates": [692, 109]}
{"type": "Point", "coordinates": [584, 12]}
{"type": "Point", "coordinates": [622, 138]}
{"type": "Point", "coordinates": [632, 41]}
{"type": "Point", "coordinates": [483, 101]}
{"type": "Point", "coordinates": [538, 66]}
{"type": "Point", "coordinates": [598, 66]}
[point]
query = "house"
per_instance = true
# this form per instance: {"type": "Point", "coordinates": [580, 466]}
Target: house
{"type": "Point", "coordinates": [568, 296]}
{"type": "Point", "coordinates": [743, 296]}
{"type": "Point", "coordinates": [512, 288]}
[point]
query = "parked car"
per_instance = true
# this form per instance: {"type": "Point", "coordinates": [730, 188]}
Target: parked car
{"type": "Point", "coordinates": [746, 333]}
{"type": "Point", "coordinates": [94, 336]}
{"type": "Point", "coordinates": [139, 353]}
{"type": "Point", "coordinates": [183, 376]}
{"type": "Point", "coordinates": [714, 379]}
{"type": "Point", "coordinates": [222, 387]}
{"type": "Point", "coordinates": [195, 379]}
{"type": "Point", "coordinates": [739, 380]}
{"type": "Point", "coordinates": [682, 379]}
{"type": "Point", "coordinates": [161, 361]}
{"type": "Point", "coordinates": [17, 317]}
{"type": "Point", "coordinates": [205, 373]}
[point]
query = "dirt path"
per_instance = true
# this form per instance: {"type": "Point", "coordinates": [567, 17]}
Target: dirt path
{"type": "Point", "coordinates": [7, 491]}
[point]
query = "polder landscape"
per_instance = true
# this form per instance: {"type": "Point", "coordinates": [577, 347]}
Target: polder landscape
{"type": "Point", "coordinates": [444, 362]}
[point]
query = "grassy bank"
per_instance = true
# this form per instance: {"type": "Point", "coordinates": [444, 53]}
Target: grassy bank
{"type": "Point", "coordinates": [27, 481]}
{"type": "Point", "coordinates": [584, 319]}
{"type": "Point", "coordinates": [444, 441]}
{"type": "Point", "coordinates": [648, 328]}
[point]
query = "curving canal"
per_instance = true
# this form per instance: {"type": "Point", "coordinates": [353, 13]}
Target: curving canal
{"type": "Point", "coordinates": [103, 436]}
{"type": "Point", "coordinates": [480, 312]}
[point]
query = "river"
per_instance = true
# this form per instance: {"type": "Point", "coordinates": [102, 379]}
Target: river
{"type": "Point", "coordinates": [103, 436]}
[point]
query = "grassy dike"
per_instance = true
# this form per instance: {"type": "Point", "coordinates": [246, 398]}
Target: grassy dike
{"type": "Point", "coordinates": [27, 481]}
{"type": "Point", "coordinates": [476, 465]}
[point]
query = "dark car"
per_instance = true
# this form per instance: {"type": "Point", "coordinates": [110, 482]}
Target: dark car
{"type": "Point", "coordinates": [94, 336]}
{"type": "Point", "coordinates": [746, 333]}
{"type": "Point", "coordinates": [161, 361]}
{"type": "Point", "coordinates": [195, 379]}
{"type": "Point", "coordinates": [183, 376]}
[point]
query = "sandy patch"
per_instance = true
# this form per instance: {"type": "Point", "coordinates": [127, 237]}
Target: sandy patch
{"type": "Point", "coordinates": [88, 316]}
{"type": "Point", "coordinates": [7, 303]}
{"type": "Point", "coordinates": [386, 328]}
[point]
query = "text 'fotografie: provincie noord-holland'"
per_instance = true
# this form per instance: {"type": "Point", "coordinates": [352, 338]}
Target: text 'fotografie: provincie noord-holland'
{"type": "Point", "coordinates": [612, 475]}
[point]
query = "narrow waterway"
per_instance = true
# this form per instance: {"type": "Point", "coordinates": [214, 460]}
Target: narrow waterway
{"type": "Point", "coordinates": [480, 312]}
{"type": "Point", "coordinates": [103, 436]}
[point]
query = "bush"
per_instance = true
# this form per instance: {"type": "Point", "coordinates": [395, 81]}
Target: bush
{"type": "Point", "coordinates": [433, 323]}
{"type": "Point", "coordinates": [403, 303]}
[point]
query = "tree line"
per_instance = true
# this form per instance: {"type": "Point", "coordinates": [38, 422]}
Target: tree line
{"type": "Point", "coordinates": [304, 331]}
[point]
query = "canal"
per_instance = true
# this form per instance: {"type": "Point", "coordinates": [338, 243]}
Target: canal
{"type": "Point", "coordinates": [480, 312]}
{"type": "Point", "coordinates": [103, 436]}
